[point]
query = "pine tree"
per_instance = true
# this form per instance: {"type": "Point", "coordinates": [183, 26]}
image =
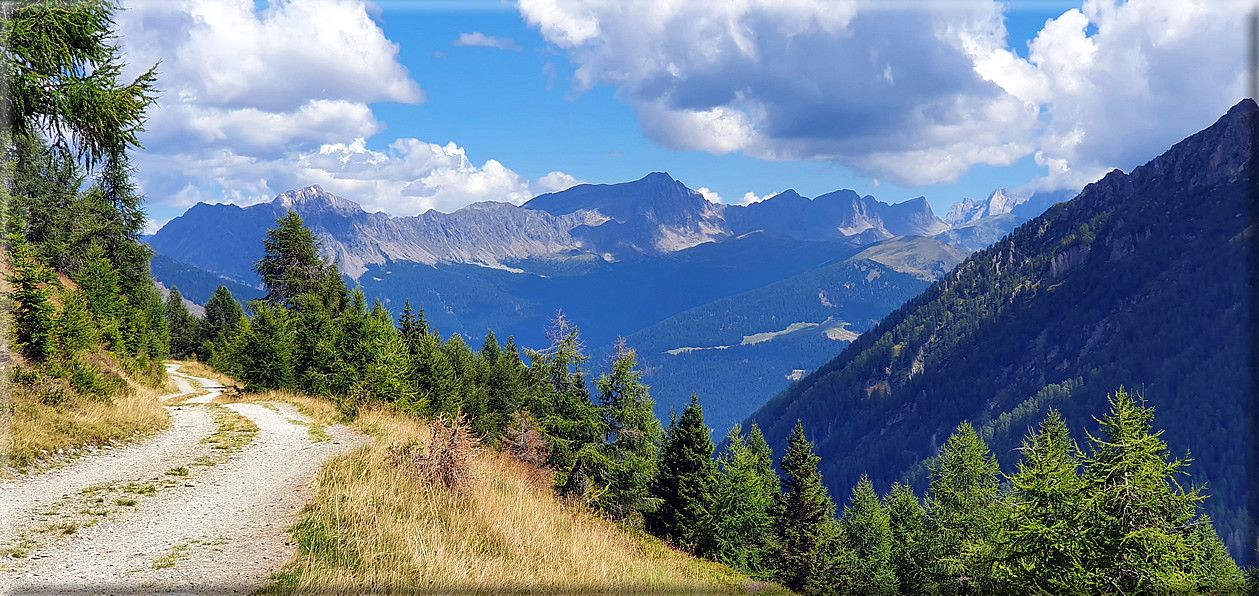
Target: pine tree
{"type": "Point", "coordinates": [33, 312]}
{"type": "Point", "coordinates": [740, 520]}
{"type": "Point", "coordinates": [911, 543]}
{"type": "Point", "coordinates": [291, 265]}
{"type": "Point", "coordinates": [1138, 516]}
{"type": "Point", "coordinates": [631, 432]}
{"type": "Point", "coordinates": [804, 524]}
{"type": "Point", "coordinates": [185, 329]}
{"type": "Point", "coordinates": [964, 510]}
{"type": "Point", "coordinates": [1043, 549]}
{"type": "Point", "coordinates": [684, 479]}
{"type": "Point", "coordinates": [222, 314]}
{"type": "Point", "coordinates": [868, 534]}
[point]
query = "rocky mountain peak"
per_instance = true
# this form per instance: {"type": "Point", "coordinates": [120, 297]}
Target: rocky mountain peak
{"type": "Point", "coordinates": [314, 200]}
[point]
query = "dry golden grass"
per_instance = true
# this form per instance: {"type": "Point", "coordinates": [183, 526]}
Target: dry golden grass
{"type": "Point", "coordinates": [373, 528]}
{"type": "Point", "coordinates": [322, 411]}
{"type": "Point", "coordinates": [199, 369]}
{"type": "Point", "coordinates": [40, 431]}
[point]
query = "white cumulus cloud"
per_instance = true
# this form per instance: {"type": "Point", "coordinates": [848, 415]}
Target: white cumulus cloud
{"type": "Point", "coordinates": [555, 182]}
{"type": "Point", "coordinates": [915, 92]}
{"type": "Point", "coordinates": [256, 102]}
{"type": "Point", "coordinates": [476, 38]}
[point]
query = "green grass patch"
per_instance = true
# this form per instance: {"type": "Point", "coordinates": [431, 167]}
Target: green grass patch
{"type": "Point", "coordinates": [135, 488]}
{"type": "Point", "coordinates": [181, 471]}
{"type": "Point", "coordinates": [234, 430]}
{"type": "Point", "coordinates": [125, 502]}
{"type": "Point", "coordinates": [177, 553]}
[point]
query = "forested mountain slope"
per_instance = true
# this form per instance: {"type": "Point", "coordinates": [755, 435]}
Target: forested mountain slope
{"type": "Point", "coordinates": [1139, 281]}
{"type": "Point", "coordinates": [738, 351]}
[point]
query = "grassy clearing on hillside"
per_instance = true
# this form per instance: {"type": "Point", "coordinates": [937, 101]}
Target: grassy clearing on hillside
{"type": "Point", "coordinates": [46, 419]}
{"type": "Point", "coordinates": [372, 527]}
{"type": "Point", "coordinates": [198, 369]}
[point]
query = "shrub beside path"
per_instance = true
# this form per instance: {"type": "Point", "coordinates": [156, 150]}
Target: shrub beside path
{"type": "Point", "coordinates": [172, 514]}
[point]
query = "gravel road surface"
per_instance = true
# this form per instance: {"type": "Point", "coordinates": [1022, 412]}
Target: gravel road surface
{"type": "Point", "coordinates": [171, 514]}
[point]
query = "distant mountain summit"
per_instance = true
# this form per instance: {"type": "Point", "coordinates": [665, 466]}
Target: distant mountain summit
{"type": "Point", "coordinates": [652, 215]}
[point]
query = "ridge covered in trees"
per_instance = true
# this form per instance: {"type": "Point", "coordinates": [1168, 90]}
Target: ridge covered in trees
{"type": "Point", "coordinates": [1140, 281]}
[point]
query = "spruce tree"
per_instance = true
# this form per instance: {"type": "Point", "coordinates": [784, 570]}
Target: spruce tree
{"type": "Point", "coordinates": [261, 350]}
{"type": "Point", "coordinates": [1210, 568]}
{"type": "Point", "coordinates": [684, 478]}
{"type": "Point", "coordinates": [1138, 516]}
{"type": "Point", "coordinates": [740, 520]}
{"type": "Point", "coordinates": [75, 330]}
{"type": "Point", "coordinates": [1043, 549]}
{"type": "Point", "coordinates": [33, 312]}
{"type": "Point", "coordinates": [631, 433]}
{"type": "Point", "coordinates": [100, 281]}
{"type": "Point", "coordinates": [868, 534]}
{"type": "Point", "coordinates": [804, 524]}
{"type": "Point", "coordinates": [965, 511]}
{"type": "Point", "coordinates": [911, 542]}
{"type": "Point", "coordinates": [184, 328]}
{"type": "Point", "coordinates": [222, 314]}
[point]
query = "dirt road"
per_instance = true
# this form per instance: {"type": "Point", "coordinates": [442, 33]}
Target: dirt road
{"type": "Point", "coordinates": [200, 509]}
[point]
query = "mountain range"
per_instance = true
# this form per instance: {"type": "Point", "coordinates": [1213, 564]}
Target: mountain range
{"type": "Point", "coordinates": [1138, 282]}
{"type": "Point", "coordinates": [651, 259]}
{"type": "Point", "coordinates": [652, 216]}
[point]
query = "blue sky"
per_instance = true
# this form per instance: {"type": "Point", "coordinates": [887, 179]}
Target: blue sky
{"type": "Point", "coordinates": [405, 105]}
{"type": "Point", "coordinates": [514, 111]}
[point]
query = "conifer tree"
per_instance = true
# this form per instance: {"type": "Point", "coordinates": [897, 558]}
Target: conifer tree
{"type": "Point", "coordinates": [261, 351]}
{"type": "Point", "coordinates": [33, 312]}
{"type": "Point", "coordinates": [314, 350]}
{"type": "Point", "coordinates": [911, 543]}
{"type": "Point", "coordinates": [684, 478]}
{"type": "Point", "coordinates": [1043, 546]}
{"type": "Point", "coordinates": [560, 401]}
{"type": "Point", "coordinates": [184, 327]}
{"type": "Point", "coordinates": [1137, 514]}
{"type": "Point", "coordinates": [631, 432]}
{"type": "Point", "coordinates": [868, 534]}
{"type": "Point", "coordinates": [222, 314]}
{"type": "Point", "coordinates": [740, 520]}
{"type": "Point", "coordinates": [804, 524]}
{"type": "Point", "coordinates": [291, 265]}
{"type": "Point", "coordinates": [100, 281]}
{"type": "Point", "coordinates": [964, 510]}
{"type": "Point", "coordinates": [1210, 568]}
{"type": "Point", "coordinates": [75, 330]}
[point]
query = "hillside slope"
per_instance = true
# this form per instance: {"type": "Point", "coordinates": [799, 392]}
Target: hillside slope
{"type": "Point", "coordinates": [737, 352]}
{"type": "Point", "coordinates": [1139, 281]}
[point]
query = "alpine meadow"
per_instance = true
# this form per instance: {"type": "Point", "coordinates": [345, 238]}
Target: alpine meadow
{"type": "Point", "coordinates": [259, 338]}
